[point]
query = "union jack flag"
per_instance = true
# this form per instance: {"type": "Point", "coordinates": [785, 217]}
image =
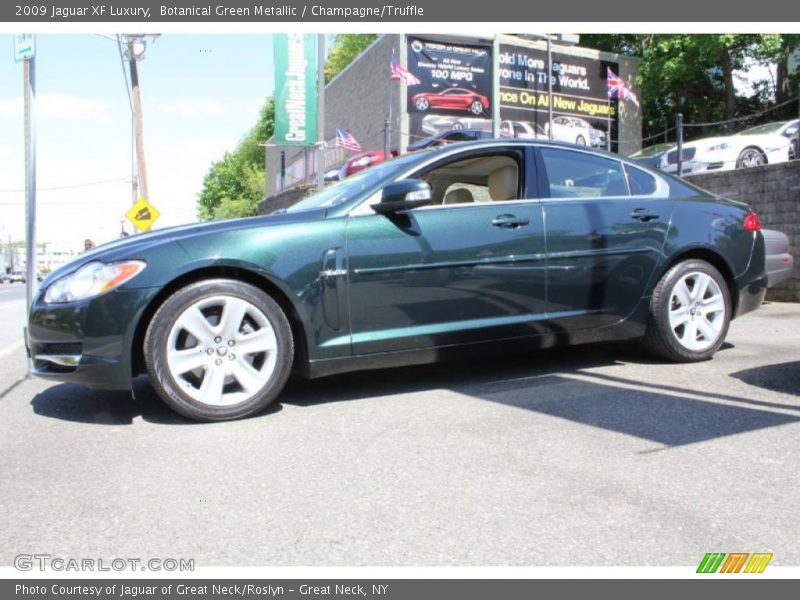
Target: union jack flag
{"type": "Point", "coordinates": [617, 88]}
{"type": "Point", "coordinates": [347, 141]}
{"type": "Point", "coordinates": [401, 74]}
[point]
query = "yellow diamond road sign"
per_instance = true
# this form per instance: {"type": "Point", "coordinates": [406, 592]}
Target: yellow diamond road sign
{"type": "Point", "coordinates": [142, 214]}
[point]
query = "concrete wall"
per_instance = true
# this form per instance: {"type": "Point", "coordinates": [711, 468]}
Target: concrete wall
{"type": "Point", "coordinates": [285, 199]}
{"type": "Point", "coordinates": [774, 193]}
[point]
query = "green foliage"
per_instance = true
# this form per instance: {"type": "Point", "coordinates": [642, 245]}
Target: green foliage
{"type": "Point", "coordinates": [234, 185]}
{"type": "Point", "coordinates": [695, 74]}
{"type": "Point", "coordinates": [346, 47]}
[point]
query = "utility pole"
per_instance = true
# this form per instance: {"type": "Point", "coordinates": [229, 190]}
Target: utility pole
{"type": "Point", "coordinates": [136, 48]}
{"type": "Point", "coordinates": [550, 90]}
{"type": "Point", "coordinates": [320, 110]}
{"type": "Point", "coordinates": [29, 76]}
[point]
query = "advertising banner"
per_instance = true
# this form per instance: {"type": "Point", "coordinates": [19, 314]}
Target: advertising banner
{"type": "Point", "coordinates": [455, 85]}
{"type": "Point", "coordinates": [582, 112]}
{"type": "Point", "coordinates": [295, 89]}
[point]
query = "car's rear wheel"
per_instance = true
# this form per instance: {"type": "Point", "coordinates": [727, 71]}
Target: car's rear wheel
{"type": "Point", "coordinates": [476, 107]}
{"type": "Point", "coordinates": [457, 126]}
{"type": "Point", "coordinates": [750, 157]}
{"type": "Point", "coordinates": [218, 349]}
{"type": "Point", "coordinates": [422, 104]}
{"type": "Point", "coordinates": [690, 311]}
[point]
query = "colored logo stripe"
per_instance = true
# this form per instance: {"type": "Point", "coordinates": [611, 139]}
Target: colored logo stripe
{"type": "Point", "coordinates": [758, 562]}
{"type": "Point", "coordinates": [734, 562]}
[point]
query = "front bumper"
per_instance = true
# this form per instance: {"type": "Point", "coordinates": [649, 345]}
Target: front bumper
{"type": "Point", "coordinates": [87, 342]}
{"type": "Point", "coordinates": [700, 166]}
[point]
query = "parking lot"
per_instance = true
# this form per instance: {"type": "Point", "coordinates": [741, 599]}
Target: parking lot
{"type": "Point", "coordinates": [593, 455]}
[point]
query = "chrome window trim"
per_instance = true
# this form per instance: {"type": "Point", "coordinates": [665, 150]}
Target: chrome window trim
{"type": "Point", "coordinates": [661, 193]}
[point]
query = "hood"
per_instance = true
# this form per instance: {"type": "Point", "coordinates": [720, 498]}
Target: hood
{"type": "Point", "coordinates": [134, 244]}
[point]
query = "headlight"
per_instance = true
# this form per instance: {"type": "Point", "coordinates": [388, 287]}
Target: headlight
{"type": "Point", "coordinates": [718, 147]}
{"type": "Point", "coordinates": [91, 280]}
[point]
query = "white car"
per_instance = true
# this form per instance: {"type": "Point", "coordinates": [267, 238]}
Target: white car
{"type": "Point", "coordinates": [576, 131]}
{"type": "Point", "coordinates": [763, 144]}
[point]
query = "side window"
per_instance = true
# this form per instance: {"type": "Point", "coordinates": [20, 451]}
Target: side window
{"type": "Point", "coordinates": [642, 183]}
{"type": "Point", "coordinates": [476, 179]}
{"type": "Point", "coordinates": [580, 175]}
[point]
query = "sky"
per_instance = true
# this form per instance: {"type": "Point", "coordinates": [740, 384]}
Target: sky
{"type": "Point", "coordinates": [200, 95]}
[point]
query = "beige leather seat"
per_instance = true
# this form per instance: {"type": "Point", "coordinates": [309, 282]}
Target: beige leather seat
{"type": "Point", "coordinates": [458, 196]}
{"type": "Point", "coordinates": [503, 183]}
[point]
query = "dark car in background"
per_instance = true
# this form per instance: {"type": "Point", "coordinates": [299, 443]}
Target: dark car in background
{"type": "Point", "coordinates": [466, 249]}
{"type": "Point", "coordinates": [780, 263]}
{"type": "Point", "coordinates": [449, 137]}
{"type": "Point", "coordinates": [651, 156]}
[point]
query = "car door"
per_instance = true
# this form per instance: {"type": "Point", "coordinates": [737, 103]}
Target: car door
{"type": "Point", "coordinates": [603, 242]}
{"type": "Point", "coordinates": [466, 270]}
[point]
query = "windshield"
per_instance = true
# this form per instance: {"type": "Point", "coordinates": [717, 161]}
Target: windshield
{"type": "Point", "coordinates": [364, 182]}
{"type": "Point", "coordinates": [651, 150]}
{"type": "Point", "coordinates": [765, 128]}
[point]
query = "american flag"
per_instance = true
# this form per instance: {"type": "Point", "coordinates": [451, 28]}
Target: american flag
{"type": "Point", "coordinates": [401, 74]}
{"type": "Point", "coordinates": [347, 141]}
{"type": "Point", "coordinates": [617, 88]}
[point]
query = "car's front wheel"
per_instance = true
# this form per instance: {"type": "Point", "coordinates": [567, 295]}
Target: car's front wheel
{"type": "Point", "coordinates": [580, 140]}
{"type": "Point", "coordinates": [476, 108]}
{"type": "Point", "coordinates": [750, 157]}
{"type": "Point", "coordinates": [218, 349]}
{"type": "Point", "coordinates": [690, 310]}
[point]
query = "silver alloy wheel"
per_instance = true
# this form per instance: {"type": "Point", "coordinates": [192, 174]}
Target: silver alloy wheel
{"type": "Point", "coordinates": [696, 311]}
{"type": "Point", "coordinates": [221, 350]}
{"type": "Point", "coordinates": [751, 158]}
{"type": "Point", "coordinates": [476, 108]}
{"type": "Point", "coordinates": [422, 104]}
{"type": "Point", "coordinates": [580, 140]}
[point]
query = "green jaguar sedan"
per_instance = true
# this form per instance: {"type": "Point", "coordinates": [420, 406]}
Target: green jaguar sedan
{"type": "Point", "coordinates": [470, 248]}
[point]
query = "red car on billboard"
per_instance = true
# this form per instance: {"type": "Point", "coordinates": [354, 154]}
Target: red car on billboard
{"type": "Point", "coordinates": [451, 99]}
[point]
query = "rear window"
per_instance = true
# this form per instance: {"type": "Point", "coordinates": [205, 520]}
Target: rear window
{"type": "Point", "coordinates": [581, 175]}
{"type": "Point", "coordinates": [641, 182]}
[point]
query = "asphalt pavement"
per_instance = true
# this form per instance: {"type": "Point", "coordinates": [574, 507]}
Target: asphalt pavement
{"type": "Point", "coordinates": [12, 317]}
{"type": "Point", "coordinates": [592, 455]}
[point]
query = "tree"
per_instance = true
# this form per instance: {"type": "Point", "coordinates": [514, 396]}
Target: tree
{"type": "Point", "coordinates": [234, 185]}
{"type": "Point", "coordinates": [695, 75]}
{"type": "Point", "coordinates": [345, 49]}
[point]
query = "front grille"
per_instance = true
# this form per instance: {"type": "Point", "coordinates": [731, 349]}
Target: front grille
{"type": "Point", "coordinates": [61, 348]}
{"type": "Point", "coordinates": [688, 154]}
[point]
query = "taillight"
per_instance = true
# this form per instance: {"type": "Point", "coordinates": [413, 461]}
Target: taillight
{"type": "Point", "coordinates": [751, 222]}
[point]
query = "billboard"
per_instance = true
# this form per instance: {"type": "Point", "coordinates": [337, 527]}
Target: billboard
{"type": "Point", "coordinates": [295, 89]}
{"type": "Point", "coordinates": [455, 81]}
{"type": "Point", "coordinates": [582, 111]}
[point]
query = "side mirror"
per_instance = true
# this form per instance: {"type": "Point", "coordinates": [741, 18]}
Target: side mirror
{"type": "Point", "coordinates": [403, 194]}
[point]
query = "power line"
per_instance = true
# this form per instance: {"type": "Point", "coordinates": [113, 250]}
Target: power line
{"type": "Point", "coordinates": [69, 186]}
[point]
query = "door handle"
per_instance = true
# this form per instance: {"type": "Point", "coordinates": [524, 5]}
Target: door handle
{"type": "Point", "coordinates": [509, 221]}
{"type": "Point", "coordinates": [641, 214]}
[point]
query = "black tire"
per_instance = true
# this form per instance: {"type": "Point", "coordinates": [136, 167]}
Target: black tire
{"type": "Point", "coordinates": [457, 126]}
{"type": "Point", "coordinates": [157, 339]}
{"type": "Point", "coordinates": [750, 157]}
{"type": "Point", "coordinates": [660, 337]}
{"type": "Point", "coordinates": [476, 108]}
